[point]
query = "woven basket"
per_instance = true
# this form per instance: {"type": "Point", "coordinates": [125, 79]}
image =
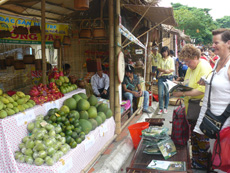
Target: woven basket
{"type": "Point", "coordinates": [155, 89]}
{"type": "Point", "coordinates": [38, 64]}
{"type": "Point", "coordinates": [5, 33]}
{"type": "Point", "coordinates": [9, 61]}
{"type": "Point", "coordinates": [85, 30]}
{"type": "Point", "coordinates": [81, 5]}
{"type": "Point", "coordinates": [57, 43]}
{"type": "Point", "coordinates": [99, 31]}
{"type": "Point", "coordinates": [35, 29]}
{"type": "Point", "coordinates": [19, 64]}
{"type": "Point", "coordinates": [20, 29]}
{"type": "Point", "coordinates": [173, 100]}
{"type": "Point", "coordinates": [66, 40]}
{"type": "Point", "coordinates": [2, 64]}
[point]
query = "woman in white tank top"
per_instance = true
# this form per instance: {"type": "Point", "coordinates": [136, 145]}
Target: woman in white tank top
{"type": "Point", "coordinates": [220, 91]}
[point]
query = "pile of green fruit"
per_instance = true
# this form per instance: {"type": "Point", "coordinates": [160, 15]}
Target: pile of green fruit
{"type": "Point", "coordinates": [18, 102]}
{"type": "Point", "coordinates": [64, 84]}
{"type": "Point", "coordinates": [43, 145]}
{"type": "Point", "coordinates": [78, 116]}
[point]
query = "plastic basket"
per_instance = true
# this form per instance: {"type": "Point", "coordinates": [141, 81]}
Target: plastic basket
{"type": "Point", "coordinates": [135, 132]}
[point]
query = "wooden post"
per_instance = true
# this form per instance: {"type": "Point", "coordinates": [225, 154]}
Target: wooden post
{"type": "Point", "coordinates": [43, 41]}
{"type": "Point", "coordinates": [149, 61]}
{"type": "Point", "coordinates": [117, 50]}
{"type": "Point", "coordinates": [59, 57]}
{"type": "Point", "coordinates": [111, 55]}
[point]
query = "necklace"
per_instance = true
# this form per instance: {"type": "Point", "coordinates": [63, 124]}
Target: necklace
{"type": "Point", "coordinates": [222, 65]}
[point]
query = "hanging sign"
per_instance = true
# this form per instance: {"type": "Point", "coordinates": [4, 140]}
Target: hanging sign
{"type": "Point", "coordinates": [129, 35]}
{"type": "Point", "coordinates": [52, 30]}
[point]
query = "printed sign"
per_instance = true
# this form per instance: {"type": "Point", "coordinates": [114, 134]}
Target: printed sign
{"type": "Point", "coordinates": [89, 142]}
{"type": "Point", "coordinates": [103, 129]}
{"type": "Point", "coordinates": [52, 104]}
{"type": "Point", "coordinates": [65, 166]}
{"type": "Point", "coordinates": [25, 117]}
{"type": "Point", "coordinates": [52, 30]}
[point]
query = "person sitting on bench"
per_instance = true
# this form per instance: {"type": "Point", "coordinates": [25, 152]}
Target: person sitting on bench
{"type": "Point", "coordinates": [129, 85]}
{"type": "Point", "coordinates": [100, 84]}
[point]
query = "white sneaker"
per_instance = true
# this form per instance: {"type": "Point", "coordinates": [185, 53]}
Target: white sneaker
{"type": "Point", "coordinates": [165, 111]}
{"type": "Point", "coordinates": [160, 112]}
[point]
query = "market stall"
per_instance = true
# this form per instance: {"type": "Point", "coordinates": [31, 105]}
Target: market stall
{"type": "Point", "coordinates": [14, 128]}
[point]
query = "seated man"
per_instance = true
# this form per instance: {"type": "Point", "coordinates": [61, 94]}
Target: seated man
{"type": "Point", "coordinates": [129, 84]}
{"type": "Point", "coordinates": [100, 84]}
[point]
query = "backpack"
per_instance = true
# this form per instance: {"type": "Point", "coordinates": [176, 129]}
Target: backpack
{"type": "Point", "coordinates": [180, 126]}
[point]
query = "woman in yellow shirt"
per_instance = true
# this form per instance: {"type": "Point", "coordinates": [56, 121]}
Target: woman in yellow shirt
{"type": "Point", "coordinates": [166, 68]}
{"type": "Point", "coordinates": [196, 69]}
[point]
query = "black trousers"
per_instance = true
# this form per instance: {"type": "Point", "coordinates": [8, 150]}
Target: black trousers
{"type": "Point", "coordinates": [104, 96]}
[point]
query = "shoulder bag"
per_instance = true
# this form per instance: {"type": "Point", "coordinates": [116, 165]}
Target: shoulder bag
{"type": "Point", "coordinates": [193, 109]}
{"type": "Point", "coordinates": [212, 124]}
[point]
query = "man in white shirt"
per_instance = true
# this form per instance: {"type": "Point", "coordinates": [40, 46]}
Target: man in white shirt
{"type": "Point", "coordinates": [100, 84]}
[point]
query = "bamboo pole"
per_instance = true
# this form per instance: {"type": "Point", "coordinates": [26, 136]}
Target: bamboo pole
{"type": "Point", "coordinates": [149, 62]}
{"type": "Point", "coordinates": [148, 30]}
{"type": "Point", "coordinates": [111, 55]}
{"type": "Point", "coordinates": [43, 41]}
{"type": "Point", "coordinates": [117, 50]}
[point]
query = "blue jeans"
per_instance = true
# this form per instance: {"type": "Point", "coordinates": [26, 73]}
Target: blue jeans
{"type": "Point", "coordinates": [162, 90]}
{"type": "Point", "coordinates": [129, 96]}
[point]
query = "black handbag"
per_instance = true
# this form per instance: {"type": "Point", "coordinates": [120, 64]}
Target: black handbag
{"type": "Point", "coordinates": [212, 124]}
{"type": "Point", "coordinates": [193, 109]}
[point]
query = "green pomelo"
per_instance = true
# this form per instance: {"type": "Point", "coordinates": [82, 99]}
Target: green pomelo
{"type": "Point", "coordinates": [92, 111]}
{"type": "Point", "coordinates": [77, 97]}
{"type": "Point", "coordinates": [99, 120]}
{"type": "Point", "coordinates": [86, 125]}
{"type": "Point", "coordinates": [109, 113]}
{"type": "Point", "coordinates": [65, 109]}
{"type": "Point", "coordinates": [84, 96]}
{"type": "Point", "coordinates": [84, 115]}
{"type": "Point", "coordinates": [92, 100]}
{"type": "Point", "coordinates": [93, 122]}
{"type": "Point", "coordinates": [74, 114]}
{"type": "Point", "coordinates": [83, 105]}
{"type": "Point", "coordinates": [102, 108]}
{"type": "Point", "coordinates": [102, 115]}
{"type": "Point", "coordinates": [71, 103]}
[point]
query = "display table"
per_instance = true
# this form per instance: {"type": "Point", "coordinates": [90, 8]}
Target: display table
{"type": "Point", "coordinates": [141, 160]}
{"type": "Point", "coordinates": [14, 128]}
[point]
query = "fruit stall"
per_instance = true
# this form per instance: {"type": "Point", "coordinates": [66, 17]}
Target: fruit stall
{"type": "Point", "coordinates": [56, 136]}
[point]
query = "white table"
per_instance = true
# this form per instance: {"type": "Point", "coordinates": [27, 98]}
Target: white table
{"type": "Point", "coordinates": [14, 128]}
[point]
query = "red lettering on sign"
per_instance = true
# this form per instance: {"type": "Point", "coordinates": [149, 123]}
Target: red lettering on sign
{"type": "Point", "coordinates": [24, 37]}
{"type": "Point", "coordinates": [33, 36]}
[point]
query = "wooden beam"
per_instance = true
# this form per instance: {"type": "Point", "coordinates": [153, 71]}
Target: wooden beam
{"type": "Point", "coordinates": [20, 1]}
{"type": "Point", "coordinates": [60, 5]}
{"type": "Point", "coordinates": [26, 15]}
{"type": "Point", "coordinates": [3, 1]}
{"type": "Point", "coordinates": [26, 6]}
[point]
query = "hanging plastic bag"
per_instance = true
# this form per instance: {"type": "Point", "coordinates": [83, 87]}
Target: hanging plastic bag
{"type": "Point", "coordinates": [221, 151]}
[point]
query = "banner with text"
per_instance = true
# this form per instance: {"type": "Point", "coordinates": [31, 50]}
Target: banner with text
{"type": "Point", "coordinates": [52, 30]}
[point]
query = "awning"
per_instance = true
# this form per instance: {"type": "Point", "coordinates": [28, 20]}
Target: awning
{"type": "Point", "coordinates": [154, 14]}
{"type": "Point", "coordinates": [178, 32]}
